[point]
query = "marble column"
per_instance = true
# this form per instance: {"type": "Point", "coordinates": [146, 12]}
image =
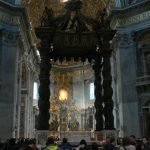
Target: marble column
{"type": "Point", "coordinates": [98, 93]}
{"type": "Point", "coordinates": [44, 91]}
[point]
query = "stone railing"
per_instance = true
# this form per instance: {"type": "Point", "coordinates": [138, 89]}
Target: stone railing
{"type": "Point", "coordinates": [72, 136]}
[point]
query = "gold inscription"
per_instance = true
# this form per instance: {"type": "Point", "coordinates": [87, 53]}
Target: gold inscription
{"type": "Point", "coordinates": [134, 19]}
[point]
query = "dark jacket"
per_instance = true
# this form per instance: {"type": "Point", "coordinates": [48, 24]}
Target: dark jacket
{"type": "Point", "coordinates": [66, 146]}
{"type": "Point", "coordinates": [109, 147]}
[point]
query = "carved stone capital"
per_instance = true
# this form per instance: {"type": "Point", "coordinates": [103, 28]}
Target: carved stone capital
{"type": "Point", "coordinates": [124, 39]}
{"type": "Point", "coordinates": [10, 38]}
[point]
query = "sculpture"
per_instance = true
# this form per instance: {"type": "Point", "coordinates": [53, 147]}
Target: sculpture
{"type": "Point", "coordinates": [47, 18]}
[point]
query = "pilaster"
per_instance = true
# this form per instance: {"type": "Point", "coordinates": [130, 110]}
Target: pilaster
{"type": "Point", "coordinates": [9, 58]}
{"type": "Point", "coordinates": [129, 121]}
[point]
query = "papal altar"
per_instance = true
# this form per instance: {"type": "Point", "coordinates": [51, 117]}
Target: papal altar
{"type": "Point", "coordinates": [75, 137]}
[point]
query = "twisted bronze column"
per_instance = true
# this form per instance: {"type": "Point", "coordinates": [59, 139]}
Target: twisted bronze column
{"type": "Point", "coordinates": [44, 91]}
{"type": "Point", "coordinates": [108, 92]}
{"type": "Point", "coordinates": [98, 93]}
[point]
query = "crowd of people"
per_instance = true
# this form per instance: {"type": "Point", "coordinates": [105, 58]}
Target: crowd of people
{"type": "Point", "coordinates": [126, 143]}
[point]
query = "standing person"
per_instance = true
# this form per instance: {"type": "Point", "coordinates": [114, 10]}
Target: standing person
{"type": "Point", "coordinates": [31, 145]}
{"type": "Point", "coordinates": [1, 145]}
{"type": "Point", "coordinates": [133, 140]}
{"type": "Point", "coordinates": [82, 146]}
{"type": "Point", "coordinates": [119, 141]}
{"type": "Point", "coordinates": [127, 144]}
{"type": "Point", "coordinates": [110, 144]}
{"type": "Point", "coordinates": [145, 144]}
{"type": "Point", "coordinates": [94, 146]}
{"type": "Point", "coordinates": [139, 144]}
{"type": "Point", "coordinates": [65, 145]}
{"type": "Point", "coordinates": [11, 145]}
{"type": "Point", "coordinates": [50, 145]}
{"type": "Point", "coordinates": [107, 143]}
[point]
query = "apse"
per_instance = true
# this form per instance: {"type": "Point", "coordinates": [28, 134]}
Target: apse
{"type": "Point", "coordinates": [72, 96]}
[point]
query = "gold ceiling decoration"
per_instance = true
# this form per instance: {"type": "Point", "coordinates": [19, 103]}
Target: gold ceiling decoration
{"type": "Point", "coordinates": [36, 7]}
{"type": "Point", "coordinates": [93, 7]}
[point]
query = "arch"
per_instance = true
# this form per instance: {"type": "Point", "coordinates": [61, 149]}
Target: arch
{"type": "Point", "coordinates": [142, 52]}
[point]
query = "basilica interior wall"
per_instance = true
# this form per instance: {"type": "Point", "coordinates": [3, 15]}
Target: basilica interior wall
{"type": "Point", "coordinates": [130, 68]}
{"type": "Point", "coordinates": [13, 44]}
{"type": "Point", "coordinates": [142, 86]}
{"type": "Point", "coordinates": [131, 75]}
{"type": "Point", "coordinates": [8, 76]}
